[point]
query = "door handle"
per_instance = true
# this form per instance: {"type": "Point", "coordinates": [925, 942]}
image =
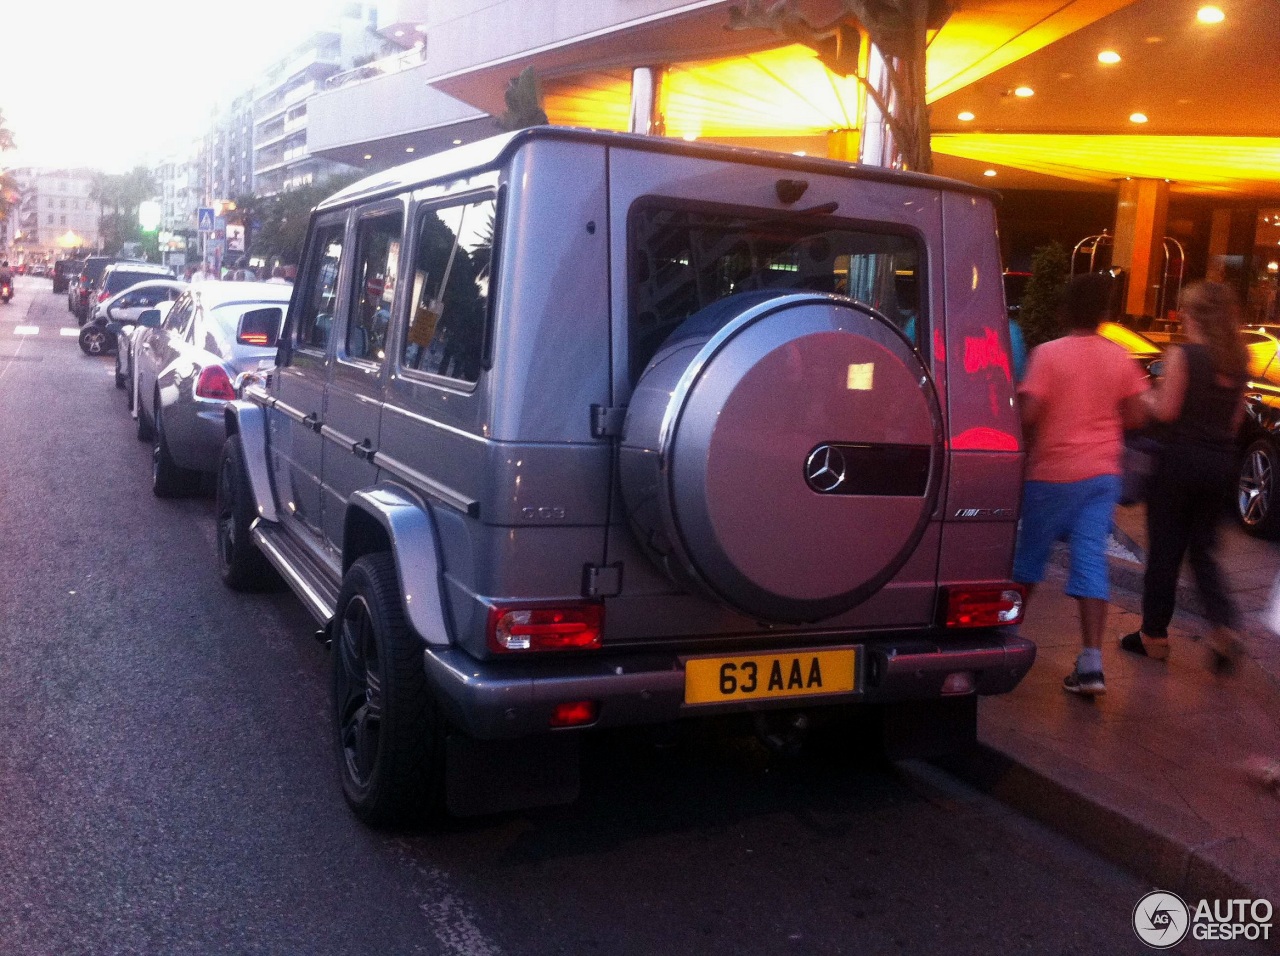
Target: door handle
{"type": "Point", "coordinates": [363, 450]}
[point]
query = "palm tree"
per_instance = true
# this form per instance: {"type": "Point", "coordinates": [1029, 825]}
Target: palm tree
{"type": "Point", "coordinates": [9, 193]}
{"type": "Point", "coordinates": [6, 135]}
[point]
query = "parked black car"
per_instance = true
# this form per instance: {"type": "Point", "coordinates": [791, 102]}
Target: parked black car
{"type": "Point", "coordinates": [90, 273]}
{"type": "Point", "coordinates": [63, 270]}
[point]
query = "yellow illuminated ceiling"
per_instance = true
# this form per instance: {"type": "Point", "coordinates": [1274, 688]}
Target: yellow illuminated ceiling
{"type": "Point", "coordinates": [780, 92]}
{"type": "Point", "coordinates": [1201, 164]}
{"type": "Point", "coordinates": [983, 37]}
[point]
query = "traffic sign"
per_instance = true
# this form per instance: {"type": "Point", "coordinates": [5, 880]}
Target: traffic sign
{"type": "Point", "coordinates": [204, 219]}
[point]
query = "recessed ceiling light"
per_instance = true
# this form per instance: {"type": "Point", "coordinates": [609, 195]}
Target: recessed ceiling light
{"type": "Point", "coordinates": [399, 33]}
{"type": "Point", "coordinates": [408, 149]}
{"type": "Point", "coordinates": [689, 137]}
{"type": "Point", "coordinates": [1108, 56]}
{"type": "Point", "coordinates": [988, 172]}
{"type": "Point", "coordinates": [1210, 15]}
{"type": "Point", "coordinates": [965, 117]}
{"type": "Point", "coordinates": [368, 155]}
{"type": "Point", "coordinates": [799, 152]}
{"type": "Point", "coordinates": [457, 142]}
{"type": "Point", "coordinates": [1137, 117]}
{"type": "Point", "coordinates": [421, 28]}
{"type": "Point", "coordinates": [1024, 92]}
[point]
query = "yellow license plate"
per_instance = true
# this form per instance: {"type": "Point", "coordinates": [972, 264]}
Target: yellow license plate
{"type": "Point", "coordinates": [720, 680]}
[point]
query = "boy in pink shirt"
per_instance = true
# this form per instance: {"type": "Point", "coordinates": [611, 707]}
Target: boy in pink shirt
{"type": "Point", "coordinates": [1080, 393]}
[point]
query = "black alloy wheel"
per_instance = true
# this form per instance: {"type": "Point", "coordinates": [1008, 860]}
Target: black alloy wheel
{"type": "Point", "coordinates": [1256, 487]}
{"type": "Point", "coordinates": [242, 566]}
{"type": "Point", "coordinates": [168, 479]}
{"type": "Point", "coordinates": [145, 431]}
{"type": "Point", "coordinates": [389, 736]}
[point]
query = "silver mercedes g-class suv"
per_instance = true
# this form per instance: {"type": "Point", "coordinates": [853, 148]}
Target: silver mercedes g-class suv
{"type": "Point", "coordinates": [576, 429]}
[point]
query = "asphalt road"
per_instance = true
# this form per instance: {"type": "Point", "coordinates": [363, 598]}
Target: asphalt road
{"type": "Point", "coordinates": [168, 787]}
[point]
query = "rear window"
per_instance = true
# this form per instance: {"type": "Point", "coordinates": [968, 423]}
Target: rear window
{"type": "Point", "coordinates": [94, 268]}
{"type": "Point", "coordinates": [684, 257]}
{"type": "Point", "coordinates": [119, 281]}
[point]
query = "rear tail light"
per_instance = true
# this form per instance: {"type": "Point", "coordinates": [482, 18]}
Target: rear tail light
{"type": "Point", "coordinates": [576, 627]}
{"type": "Point", "coordinates": [214, 383]}
{"type": "Point", "coordinates": [574, 713]}
{"type": "Point", "coordinates": [988, 606]}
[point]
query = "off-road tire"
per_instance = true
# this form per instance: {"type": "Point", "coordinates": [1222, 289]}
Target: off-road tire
{"type": "Point", "coordinates": [392, 773]}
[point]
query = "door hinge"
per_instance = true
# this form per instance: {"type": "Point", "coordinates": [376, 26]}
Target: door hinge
{"type": "Point", "coordinates": [602, 580]}
{"type": "Point", "coordinates": [606, 421]}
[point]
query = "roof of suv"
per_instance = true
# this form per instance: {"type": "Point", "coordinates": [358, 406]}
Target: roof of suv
{"type": "Point", "coordinates": [488, 153]}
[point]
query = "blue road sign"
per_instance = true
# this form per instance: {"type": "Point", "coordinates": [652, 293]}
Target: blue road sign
{"type": "Point", "coordinates": [204, 219]}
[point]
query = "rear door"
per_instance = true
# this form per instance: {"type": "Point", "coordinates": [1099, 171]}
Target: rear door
{"type": "Point", "coordinates": [156, 345]}
{"type": "Point", "coordinates": [298, 413]}
{"type": "Point", "coordinates": [686, 233]}
{"type": "Point", "coordinates": [353, 404]}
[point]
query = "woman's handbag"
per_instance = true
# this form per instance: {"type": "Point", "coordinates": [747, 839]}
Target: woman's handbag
{"type": "Point", "coordinates": [1141, 456]}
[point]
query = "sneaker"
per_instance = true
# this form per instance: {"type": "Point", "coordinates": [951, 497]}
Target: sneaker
{"type": "Point", "coordinates": [1156, 648]}
{"type": "Point", "coordinates": [1086, 685]}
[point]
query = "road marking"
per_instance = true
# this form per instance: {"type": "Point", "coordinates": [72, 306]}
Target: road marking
{"type": "Point", "coordinates": [9, 364]}
{"type": "Point", "coordinates": [69, 333]}
{"type": "Point", "coordinates": [26, 330]}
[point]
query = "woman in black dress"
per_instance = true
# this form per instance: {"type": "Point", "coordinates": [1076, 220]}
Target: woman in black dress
{"type": "Point", "coordinates": [1200, 400]}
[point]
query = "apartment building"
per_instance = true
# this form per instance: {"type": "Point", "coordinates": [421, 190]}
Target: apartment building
{"type": "Point", "coordinates": [56, 214]}
{"type": "Point", "coordinates": [282, 156]}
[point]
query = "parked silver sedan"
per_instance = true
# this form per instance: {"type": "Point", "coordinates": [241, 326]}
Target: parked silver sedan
{"type": "Point", "coordinates": [185, 369]}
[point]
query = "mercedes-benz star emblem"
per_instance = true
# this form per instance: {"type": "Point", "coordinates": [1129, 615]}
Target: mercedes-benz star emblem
{"type": "Point", "coordinates": [824, 470]}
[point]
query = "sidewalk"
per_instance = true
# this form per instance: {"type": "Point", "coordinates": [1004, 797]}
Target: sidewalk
{"type": "Point", "coordinates": [1149, 774]}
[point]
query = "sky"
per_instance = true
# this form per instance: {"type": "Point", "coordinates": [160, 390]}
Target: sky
{"type": "Point", "coordinates": [171, 61]}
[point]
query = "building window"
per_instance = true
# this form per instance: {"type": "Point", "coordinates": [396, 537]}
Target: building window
{"type": "Point", "coordinates": [64, 220]}
{"type": "Point", "coordinates": [50, 219]}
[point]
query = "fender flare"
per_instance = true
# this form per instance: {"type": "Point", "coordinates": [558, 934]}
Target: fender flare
{"type": "Point", "coordinates": [415, 546]}
{"type": "Point", "coordinates": [249, 421]}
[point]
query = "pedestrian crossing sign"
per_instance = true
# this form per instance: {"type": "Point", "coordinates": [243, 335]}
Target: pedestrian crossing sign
{"type": "Point", "coordinates": [204, 219]}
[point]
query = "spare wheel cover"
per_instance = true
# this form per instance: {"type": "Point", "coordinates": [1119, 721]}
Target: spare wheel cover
{"type": "Point", "coordinates": [799, 455]}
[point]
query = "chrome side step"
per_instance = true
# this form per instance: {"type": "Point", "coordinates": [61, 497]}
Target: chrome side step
{"type": "Point", "coordinates": [300, 570]}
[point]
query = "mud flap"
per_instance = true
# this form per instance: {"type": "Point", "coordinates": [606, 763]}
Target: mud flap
{"type": "Point", "coordinates": [926, 729]}
{"type": "Point", "coordinates": [495, 776]}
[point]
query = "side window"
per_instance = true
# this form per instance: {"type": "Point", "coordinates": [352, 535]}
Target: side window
{"type": "Point", "coordinates": [453, 259]}
{"type": "Point", "coordinates": [315, 312]}
{"type": "Point", "coordinates": [377, 262]}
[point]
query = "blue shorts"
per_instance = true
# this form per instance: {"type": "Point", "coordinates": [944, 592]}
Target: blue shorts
{"type": "Point", "coordinates": [1078, 512]}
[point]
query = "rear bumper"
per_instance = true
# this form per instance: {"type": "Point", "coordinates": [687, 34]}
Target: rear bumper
{"type": "Point", "coordinates": [502, 699]}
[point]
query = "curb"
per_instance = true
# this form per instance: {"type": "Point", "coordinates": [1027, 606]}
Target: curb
{"type": "Point", "coordinates": [1190, 870]}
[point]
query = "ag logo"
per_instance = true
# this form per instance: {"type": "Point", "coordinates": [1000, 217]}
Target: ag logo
{"type": "Point", "coordinates": [1161, 919]}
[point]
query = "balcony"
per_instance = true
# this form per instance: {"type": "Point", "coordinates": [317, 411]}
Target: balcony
{"type": "Point", "coordinates": [385, 106]}
{"type": "Point", "coordinates": [396, 63]}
